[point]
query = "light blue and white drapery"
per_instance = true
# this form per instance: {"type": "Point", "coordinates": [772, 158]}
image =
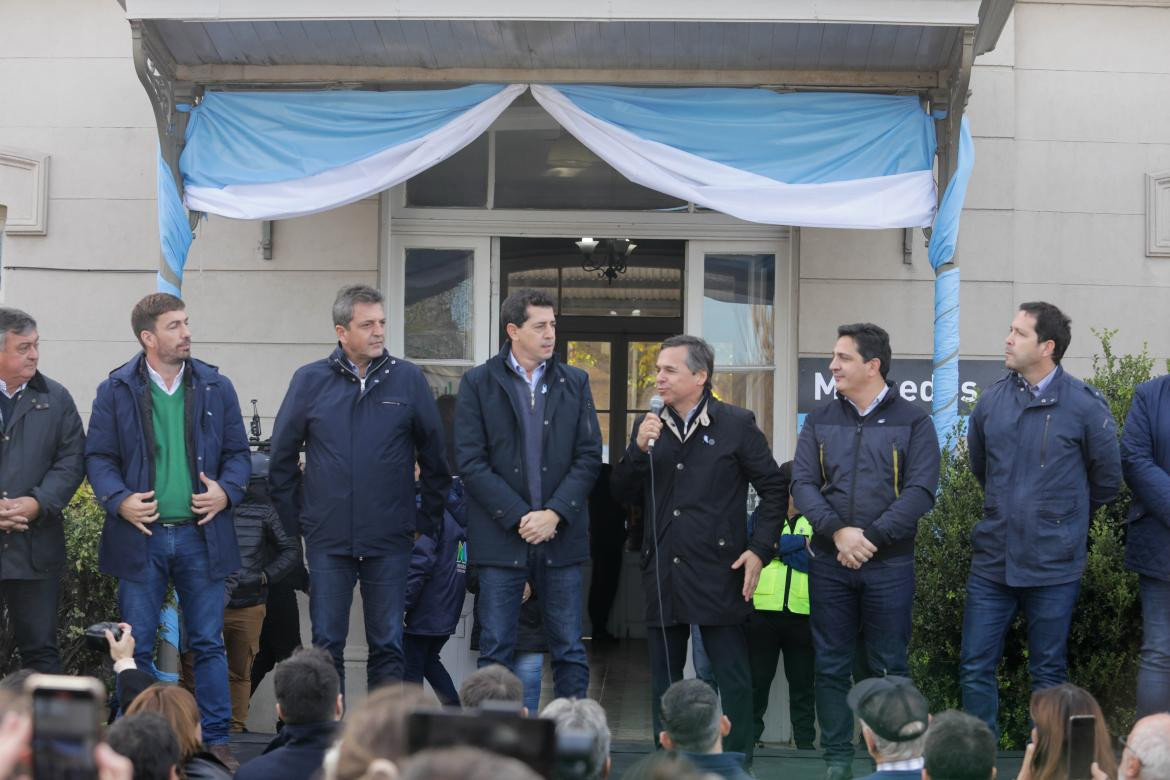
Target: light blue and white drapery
{"type": "Point", "coordinates": [275, 155]}
{"type": "Point", "coordinates": [835, 160]}
{"type": "Point", "coordinates": [806, 159]}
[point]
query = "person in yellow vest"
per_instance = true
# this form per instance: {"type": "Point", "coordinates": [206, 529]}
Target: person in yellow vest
{"type": "Point", "coordinates": [779, 622]}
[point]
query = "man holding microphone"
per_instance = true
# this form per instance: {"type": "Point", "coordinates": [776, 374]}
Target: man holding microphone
{"type": "Point", "coordinates": [698, 565]}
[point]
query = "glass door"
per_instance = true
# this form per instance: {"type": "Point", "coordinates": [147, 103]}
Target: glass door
{"type": "Point", "coordinates": [621, 369]}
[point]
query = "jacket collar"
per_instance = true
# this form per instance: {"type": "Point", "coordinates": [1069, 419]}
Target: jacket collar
{"type": "Point", "coordinates": [1051, 393]}
{"type": "Point", "coordinates": [38, 383]}
{"type": "Point", "coordinates": [339, 362]}
{"type": "Point", "coordinates": [702, 417]}
{"type": "Point", "coordinates": [133, 372]}
{"type": "Point", "coordinates": [891, 394]}
{"type": "Point", "coordinates": [499, 364]}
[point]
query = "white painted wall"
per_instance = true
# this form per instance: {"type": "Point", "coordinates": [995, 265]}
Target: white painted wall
{"type": "Point", "coordinates": [1069, 115]}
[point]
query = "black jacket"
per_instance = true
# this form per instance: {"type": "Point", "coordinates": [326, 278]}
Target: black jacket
{"type": "Point", "coordinates": [489, 448]}
{"type": "Point", "coordinates": [265, 548]}
{"type": "Point", "coordinates": [295, 753]}
{"type": "Point", "coordinates": [205, 766]}
{"type": "Point", "coordinates": [878, 473]}
{"type": "Point", "coordinates": [42, 455]}
{"type": "Point", "coordinates": [701, 499]}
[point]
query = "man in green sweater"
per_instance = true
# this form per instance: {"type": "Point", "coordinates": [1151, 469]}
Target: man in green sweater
{"type": "Point", "coordinates": [168, 458]}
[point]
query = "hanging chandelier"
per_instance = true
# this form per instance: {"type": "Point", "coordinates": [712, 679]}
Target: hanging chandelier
{"type": "Point", "coordinates": [605, 256]}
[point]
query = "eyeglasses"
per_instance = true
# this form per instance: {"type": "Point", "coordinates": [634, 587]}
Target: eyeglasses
{"type": "Point", "coordinates": [1126, 746]}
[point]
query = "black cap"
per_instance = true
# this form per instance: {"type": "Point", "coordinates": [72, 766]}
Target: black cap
{"type": "Point", "coordinates": [891, 706]}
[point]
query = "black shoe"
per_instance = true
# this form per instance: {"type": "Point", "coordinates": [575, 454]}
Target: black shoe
{"type": "Point", "coordinates": [805, 746]}
{"type": "Point", "coordinates": [839, 772]}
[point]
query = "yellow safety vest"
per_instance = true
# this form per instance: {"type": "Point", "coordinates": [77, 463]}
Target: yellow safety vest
{"type": "Point", "coordinates": [782, 587]}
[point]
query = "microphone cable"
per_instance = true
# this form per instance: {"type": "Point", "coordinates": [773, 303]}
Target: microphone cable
{"type": "Point", "coordinates": [657, 558]}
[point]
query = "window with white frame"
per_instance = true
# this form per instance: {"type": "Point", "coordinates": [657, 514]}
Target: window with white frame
{"type": "Point", "coordinates": [739, 321]}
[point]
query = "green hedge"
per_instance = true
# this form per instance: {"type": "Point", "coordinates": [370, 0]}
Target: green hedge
{"type": "Point", "coordinates": [1106, 631]}
{"type": "Point", "coordinates": [87, 596]}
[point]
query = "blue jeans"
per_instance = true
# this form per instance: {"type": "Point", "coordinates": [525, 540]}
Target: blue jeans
{"type": "Point", "coordinates": [558, 591]}
{"type": "Point", "coordinates": [1153, 682]}
{"type": "Point", "coordinates": [530, 670]}
{"type": "Point", "coordinates": [991, 607]}
{"type": "Point", "coordinates": [177, 553]}
{"type": "Point", "coordinates": [874, 602]}
{"type": "Point", "coordinates": [383, 584]}
{"type": "Point", "coordinates": [704, 670]}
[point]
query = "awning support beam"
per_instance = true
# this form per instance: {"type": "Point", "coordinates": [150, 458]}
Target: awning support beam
{"type": "Point", "coordinates": [156, 70]}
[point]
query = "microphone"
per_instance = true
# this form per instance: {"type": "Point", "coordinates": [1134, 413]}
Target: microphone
{"type": "Point", "coordinates": [656, 407]}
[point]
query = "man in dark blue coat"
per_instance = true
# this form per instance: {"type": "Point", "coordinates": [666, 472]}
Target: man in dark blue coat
{"type": "Point", "coordinates": [168, 458]}
{"type": "Point", "coordinates": [1145, 458]}
{"type": "Point", "coordinates": [528, 448]}
{"type": "Point", "coordinates": [361, 416]}
{"type": "Point", "coordinates": [1043, 445]}
{"type": "Point", "coordinates": [865, 472]}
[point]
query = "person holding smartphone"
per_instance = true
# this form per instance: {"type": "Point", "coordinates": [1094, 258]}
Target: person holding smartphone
{"type": "Point", "coordinates": [1069, 735]}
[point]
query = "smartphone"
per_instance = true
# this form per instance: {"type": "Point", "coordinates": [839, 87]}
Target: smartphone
{"type": "Point", "coordinates": [1080, 746]}
{"type": "Point", "coordinates": [66, 725]}
{"type": "Point", "coordinates": [530, 740]}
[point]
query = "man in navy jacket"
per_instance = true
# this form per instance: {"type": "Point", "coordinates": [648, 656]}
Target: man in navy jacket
{"type": "Point", "coordinates": [168, 458]}
{"type": "Point", "coordinates": [529, 448]}
{"type": "Point", "coordinates": [361, 415]}
{"type": "Point", "coordinates": [865, 471]}
{"type": "Point", "coordinates": [1145, 457]}
{"type": "Point", "coordinates": [1044, 446]}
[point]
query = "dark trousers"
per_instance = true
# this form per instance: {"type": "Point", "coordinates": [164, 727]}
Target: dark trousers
{"type": "Point", "coordinates": [727, 648]}
{"type": "Point", "coordinates": [769, 633]}
{"type": "Point", "coordinates": [32, 613]}
{"type": "Point", "coordinates": [607, 539]}
{"type": "Point", "coordinates": [280, 634]}
{"type": "Point", "coordinates": [874, 600]}
{"type": "Point", "coordinates": [423, 662]}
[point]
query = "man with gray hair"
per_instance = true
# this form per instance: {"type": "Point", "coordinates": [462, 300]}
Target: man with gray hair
{"type": "Point", "coordinates": [894, 718]}
{"type": "Point", "coordinates": [1147, 751]}
{"type": "Point", "coordinates": [361, 415]}
{"type": "Point", "coordinates": [582, 717]}
{"type": "Point", "coordinates": [494, 683]}
{"type": "Point", "coordinates": [42, 461]}
{"type": "Point", "coordinates": [690, 466]}
{"type": "Point", "coordinates": [694, 725]}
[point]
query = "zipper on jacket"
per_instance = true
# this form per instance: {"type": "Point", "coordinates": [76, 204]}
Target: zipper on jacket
{"type": "Point", "coordinates": [1044, 441]}
{"type": "Point", "coordinates": [787, 570]}
{"type": "Point", "coordinates": [824, 478]}
{"type": "Point", "coordinates": [532, 397]}
{"type": "Point", "coordinates": [853, 487]}
{"type": "Point", "coordinates": [897, 490]}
